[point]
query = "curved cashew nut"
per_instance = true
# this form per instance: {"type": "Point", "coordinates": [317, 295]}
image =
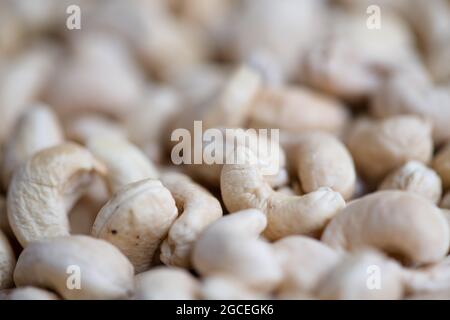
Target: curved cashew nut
{"type": "Point", "coordinates": [7, 262]}
{"type": "Point", "coordinates": [321, 160]}
{"type": "Point", "coordinates": [441, 163]}
{"type": "Point", "coordinates": [45, 188]}
{"type": "Point", "coordinates": [125, 162]}
{"type": "Point", "coordinates": [30, 293]}
{"type": "Point", "coordinates": [244, 187]}
{"type": "Point", "coordinates": [136, 219]}
{"type": "Point", "coordinates": [199, 209]}
{"type": "Point", "coordinates": [417, 178]}
{"type": "Point", "coordinates": [363, 276]}
{"type": "Point", "coordinates": [397, 222]}
{"type": "Point", "coordinates": [166, 283]}
{"type": "Point", "coordinates": [97, 269]}
{"type": "Point", "coordinates": [305, 261]}
{"type": "Point", "coordinates": [231, 246]}
{"type": "Point", "coordinates": [36, 130]}
{"type": "Point", "coordinates": [297, 110]}
{"type": "Point", "coordinates": [379, 147]}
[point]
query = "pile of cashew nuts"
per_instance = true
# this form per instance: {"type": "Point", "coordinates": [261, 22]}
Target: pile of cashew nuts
{"type": "Point", "coordinates": [92, 205]}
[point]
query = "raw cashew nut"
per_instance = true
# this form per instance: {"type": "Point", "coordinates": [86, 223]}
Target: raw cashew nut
{"type": "Point", "coordinates": [231, 246]}
{"type": "Point", "coordinates": [125, 162]}
{"type": "Point", "coordinates": [305, 261]}
{"type": "Point", "coordinates": [441, 163]}
{"type": "Point", "coordinates": [136, 219]}
{"type": "Point", "coordinates": [363, 276]}
{"type": "Point", "coordinates": [76, 267]}
{"type": "Point", "coordinates": [46, 187]}
{"type": "Point", "coordinates": [198, 209]}
{"type": "Point", "coordinates": [321, 160]}
{"type": "Point", "coordinates": [166, 283]}
{"type": "Point", "coordinates": [379, 147]}
{"type": "Point", "coordinates": [30, 293]}
{"type": "Point", "coordinates": [297, 110]}
{"type": "Point", "coordinates": [225, 287]}
{"type": "Point", "coordinates": [7, 262]}
{"type": "Point", "coordinates": [397, 222]}
{"type": "Point", "coordinates": [244, 187]}
{"type": "Point", "coordinates": [417, 178]}
{"type": "Point", "coordinates": [36, 130]}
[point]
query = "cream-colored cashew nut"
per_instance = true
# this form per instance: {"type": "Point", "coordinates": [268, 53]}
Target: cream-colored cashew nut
{"type": "Point", "coordinates": [379, 147]}
{"type": "Point", "coordinates": [30, 293]}
{"type": "Point", "coordinates": [7, 262]}
{"type": "Point", "coordinates": [125, 162]}
{"type": "Point", "coordinates": [166, 283]}
{"type": "Point", "coordinates": [244, 187]}
{"type": "Point", "coordinates": [305, 261]}
{"type": "Point", "coordinates": [296, 110]}
{"type": "Point", "coordinates": [321, 160]}
{"type": "Point", "coordinates": [37, 129]}
{"type": "Point", "coordinates": [198, 209]}
{"type": "Point", "coordinates": [136, 219]}
{"type": "Point", "coordinates": [397, 222]}
{"type": "Point", "coordinates": [46, 187]}
{"type": "Point", "coordinates": [441, 163]}
{"type": "Point", "coordinates": [362, 276]}
{"type": "Point", "coordinates": [414, 177]}
{"type": "Point", "coordinates": [76, 267]}
{"type": "Point", "coordinates": [232, 246]}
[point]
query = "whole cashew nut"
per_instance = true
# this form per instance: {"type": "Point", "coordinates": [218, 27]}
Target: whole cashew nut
{"type": "Point", "coordinates": [244, 187]}
{"type": "Point", "coordinates": [415, 177]}
{"type": "Point", "coordinates": [198, 208]}
{"type": "Point", "coordinates": [321, 160]}
{"type": "Point", "coordinates": [166, 283]}
{"type": "Point", "coordinates": [125, 162]}
{"type": "Point", "coordinates": [45, 188]}
{"type": "Point", "coordinates": [36, 130]}
{"type": "Point", "coordinates": [400, 223]}
{"type": "Point", "coordinates": [231, 246]}
{"type": "Point", "coordinates": [136, 219]}
{"type": "Point", "coordinates": [7, 262]}
{"type": "Point", "coordinates": [379, 147]}
{"type": "Point", "coordinates": [76, 267]}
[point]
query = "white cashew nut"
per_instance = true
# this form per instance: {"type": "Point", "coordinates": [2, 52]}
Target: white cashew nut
{"type": "Point", "coordinates": [231, 246]}
{"type": "Point", "coordinates": [397, 222]}
{"type": "Point", "coordinates": [198, 209]}
{"type": "Point", "coordinates": [46, 187]}
{"type": "Point", "coordinates": [76, 267]}
{"type": "Point", "coordinates": [136, 219]}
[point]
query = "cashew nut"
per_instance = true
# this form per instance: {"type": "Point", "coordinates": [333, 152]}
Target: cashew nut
{"type": "Point", "coordinates": [198, 208]}
{"type": "Point", "coordinates": [379, 147]}
{"type": "Point", "coordinates": [225, 287]}
{"type": "Point", "coordinates": [76, 267]}
{"type": "Point", "coordinates": [244, 187]}
{"type": "Point", "coordinates": [38, 129]}
{"type": "Point", "coordinates": [125, 162]}
{"type": "Point", "coordinates": [136, 219]}
{"type": "Point", "coordinates": [399, 223]}
{"type": "Point", "coordinates": [231, 246]}
{"type": "Point", "coordinates": [417, 178]}
{"type": "Point", "coordinates": [45, 188]}
{"type": "Point", "coordinates": [166, 283]}
{"type": "Point", "coordinates": [30, 293]}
